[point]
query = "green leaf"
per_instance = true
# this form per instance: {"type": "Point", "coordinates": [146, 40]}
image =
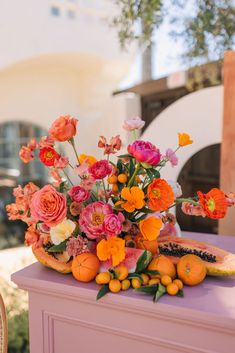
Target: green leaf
{"type": "Point", "coordinates": [132, 167]}
{"type": "Point", "coordinates": [143, 261]}
{"type": "Point", "coordinates": [103, 290]}
{"type": "Point", "coordinates": [135, 275]}
{"type": "Point", "coordinates": [125, 156]}
{"type": "Point", "coordinates": [146, 210]}
{"type": "Point", "coordinates": [58, 248]}
{"type": "Point", "coordinates": [152, 272]}
{"type": "Point", "coordinates": [155, 173]}
{"type": "Point", "coordinates": [159, 293]}
{"type": "Point", "coordinates": [180, 293]}
{"type": "Point", "coordinates": [148, 289]}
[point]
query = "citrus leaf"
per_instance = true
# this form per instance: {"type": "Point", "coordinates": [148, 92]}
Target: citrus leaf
{"type": "Point", "coordinates": [135, 275]}
{"type": "Point", "coordinates": [58, 248]}
{"type": "Point", "coordinates": [103, 290]}
{"type": "Point", "coordinates": [152, 272]}
{"type": "Point", "coordinates": [125, 156]}
{"type": "Point", "coordinates": [143, 261]}
{"type": "Point", "coordinates": [159, 293]}
{"type": "Point", "coordinates": [180, 293]}
{"type": "Point", "coordinates": [155, 173]}
{"type": "Point", "coordinates": [148, 289]}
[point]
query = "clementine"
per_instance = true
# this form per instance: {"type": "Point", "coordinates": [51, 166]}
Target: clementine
{"type": "Point", "coordinates": [191, 269]}
{"type": "Point", "coordinates": [85, 267]}
{"type": "Point", "coordinates": [164, 265]}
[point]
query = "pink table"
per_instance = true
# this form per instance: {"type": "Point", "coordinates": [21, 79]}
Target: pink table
{"type": "Point", "coordinates": [65, 317]}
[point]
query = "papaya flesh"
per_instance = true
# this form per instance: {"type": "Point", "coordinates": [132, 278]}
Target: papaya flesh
{"type": "Point", "coordinates": [50, 261]}
{"type": "Point", "coordinates": [218, 262]}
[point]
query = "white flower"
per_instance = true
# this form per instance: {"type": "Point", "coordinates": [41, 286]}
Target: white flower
{"type": "Point", "coordinates": [175, 187]}
{"type": "Point", "coordinates": [62, 231]}
{"type": "Point", "coordinates": [133, 124]}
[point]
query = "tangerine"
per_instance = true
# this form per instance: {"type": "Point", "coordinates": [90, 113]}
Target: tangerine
{"type": "Point", "coordinates": [145, 278]}
{"type": "Point", "coordinates": [191, 269]}
{"type": "Point", "coordinates": [112, 179]}
{"type": "Point", "coordinates": [121, 272]}
{"type": "Point", "coordinates": [172, 289]}
{"type": "Point", "coordinates": [115, 188]}
{"type": "Point", "coordinates": [114, 285]}
{"type": "Point", "coordinates": [165, 280]}
{"type": "Point", "coordinates": [154, 281]}
{"type": "Point", "coordinates": [136, 283]}
{"type": "Point", "coordinates": [122, 178]}
{"type": "Point", "coordinates": [163, 265]}
{"type": "Point", "coordinates": [150, 245]}
{"type": "Point", "coordinates": [125, 284]}
{"type": "Point", "coordinates": [85, 267]}
{"type": "Point", "coordinates": [179, 283]}
{"type": "Point", "coordinates": [103, 278]}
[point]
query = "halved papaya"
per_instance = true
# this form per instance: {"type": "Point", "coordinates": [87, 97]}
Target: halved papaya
{"type": "Point", "coordinates": [218, 262]}
{"type": "Point", "coordinates": [50, 261]}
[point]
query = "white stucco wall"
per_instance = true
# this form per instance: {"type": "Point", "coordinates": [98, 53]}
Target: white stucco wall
{"type": "Point", "coordinates": [199, 114]}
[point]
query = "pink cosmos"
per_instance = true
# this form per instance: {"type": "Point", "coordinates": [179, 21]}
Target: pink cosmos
{"type": "Point", "coordinates": [113, 224]}
{"type": "Point", "coordinates": [144, 151]}
{"type": "Point", "coordinates": [133, 124]}
{"type": "Point", "coordinates": [92, 218]}
{"type": "Point", "coordinates": [100, 169]}
{"type": "Point", "coordinates": [87, 182]}
{"type": "Point", "coordinates": [79, 194]}
{"type": "Point", "coordinates": [113, 146]}
{"type": "Point", "coordinates": [61, 163]}
{"type": "Point", "coordinates": [82, 169]}
{"type": "Point", "coordinates": [171, 156]}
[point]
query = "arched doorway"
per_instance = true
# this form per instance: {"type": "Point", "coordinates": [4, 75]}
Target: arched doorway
{"type": "Point", "coordinates": [200, 172]}
{"type": "Point", "coordinates": [13, 172]}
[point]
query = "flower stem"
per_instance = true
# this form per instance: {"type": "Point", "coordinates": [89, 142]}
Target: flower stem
{"type": "Point", "coordinates": [181, 200]}
{"type": "Point", "coordinates": [131, 181]}
{"type": "Point", "coordinates": [71, 141]}
{"type": "Point", "coordinates": [67, 177]}
{"type": "Point", "coordinates": [105, 193]}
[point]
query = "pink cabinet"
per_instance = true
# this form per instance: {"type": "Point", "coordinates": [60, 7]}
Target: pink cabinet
{"type": "Point", "coordinates": [66, 318]}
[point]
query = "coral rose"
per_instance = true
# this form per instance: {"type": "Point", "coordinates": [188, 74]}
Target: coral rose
{"type": "Point", "coordinates": [63, 128]}
{"type": "Point", "coordinates": [79, 194]}
{"type": "Point", "coordinates": [145, 152]}
{"type": "Point", "coordinates": [100, 169]}
{"type": "Point", "coordinates": [49, 206]}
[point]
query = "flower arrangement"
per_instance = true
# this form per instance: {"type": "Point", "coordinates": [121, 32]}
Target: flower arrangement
{"type": "Point", "coordinates": [113, 215]}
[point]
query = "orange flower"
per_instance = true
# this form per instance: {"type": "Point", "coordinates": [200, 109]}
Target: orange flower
{"type": "Point", "coordinates": [160, 195]}
{"type": "Point", "coordinates": [184, 139]}
{"type": "Point", "coordinates": [150, 227]}
{"type": "Point", "coordinates": [89, 159]}
{"type": "Point", "coordinates": [213, 203]}
{"type": "Point", "coordinates": [113, 248]}
{"type": "Point", "coordinates": [134, 199]}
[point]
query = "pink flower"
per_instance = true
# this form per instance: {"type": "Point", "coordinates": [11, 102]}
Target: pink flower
{"type": "Point", "coordinates": [46, 141]}
{"type": "Point", "coordinates": [144, 152]}
{"type": "Point", "coordinates": [113, 146]}
{"type": "Point", "coordinates": [77, 246]}
{"type": "Point", "coordinates": [79, 194]}
{"type": "Point", "coordinates": [63, 128]}
{"type": "Point", "coordinates": [75, 208]}
{"type": "Point", "coordinates": [192, 210]}
{"type": "Point", "coordinates": [100, 169]}
{"type": "Point", "coordinates": [230, 198]}
{"type": "Point", "coordinates": [61, 163]}
{"type": "Point", "coordinates": [53, 173]}
{"type": "Point", "coordinates": [82, 169]}
{"type": "Point", "coordinates": [113, 224]}
{"type": "Point", "coordinates": [92, 217]}
{"type": "Point", "coordinates": [133, 124]}
{"type": "Point", "coordinates": [32, 144]}
{"type": "Point", "coordinates": [171, 156]}
{"type": "Point", "coordinates": [26, 154]}
{"type": "Point", "coordinates": [49, 206]}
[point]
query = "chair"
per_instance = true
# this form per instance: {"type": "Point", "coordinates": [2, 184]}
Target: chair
{"type": "Point", "coordinates": [3, 327]}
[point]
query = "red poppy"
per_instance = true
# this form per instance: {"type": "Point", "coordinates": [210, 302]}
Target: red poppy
{"type": "Point", "coordinates": [48, 156]}
{"type": "Point", "coordinates": [213, 203]}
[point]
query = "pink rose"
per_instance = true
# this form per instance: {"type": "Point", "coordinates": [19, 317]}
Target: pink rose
{"type": "Point", "coordinates": [92, 217]}
{"type": "Point", "coordinates": [145, 152]}
{"type": "Point", "coordinates": [49, 206]}
{"type": "Point", "coordinates": [100, 169]}
{"type": "Point", "coordinates": [113, 224]}
{"type": "Point", "coordinates": [63, 128]}
{"type": "Point", "coordinates": [133, 124]}
{"type": "Point", "coordinates": [79, 194]}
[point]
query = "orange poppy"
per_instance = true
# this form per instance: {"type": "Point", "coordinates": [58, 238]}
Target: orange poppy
{"type": "Point", "coordinates": [150, 227]}
{"type": "Point", "coordinates": [213, 203]}
{"type": "Point", "coordinates": [160, 195]}
{"type": "Point", "coordinates": [89, 159]}
{"type": "Point", "coordinates": [134, 199]}
{"type": "Point", "coordinates": [184, 139]}
{"type": "Point", "coordinates": [112, 248]}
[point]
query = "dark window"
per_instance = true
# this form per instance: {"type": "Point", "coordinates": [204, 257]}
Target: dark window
{"type": "Point", "coordinates": [55, 10]}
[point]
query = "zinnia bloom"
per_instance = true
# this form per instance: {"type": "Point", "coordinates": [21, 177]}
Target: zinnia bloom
{"type": "Point", "coordinates": [112, 248]}
{"type": "Point", "coordinates": [160, 195]}
{"type": "Point", "coordinates": [63, 128]}
{"type": "Point", "coordinates": [145, 152]}
{"type": "Point", "coordinates": [184, 139]}
{"type": "Point", "coordinates": [214, 203]}
{"type": "Point", "coordinates": [48, 156]}
{"type": "Point", "coordinates": [133, 124]}
{"type": "Point", "coordinates": [134, 199]}
{"type": "Point", "coordinates": [150, 227]}
{"type": "Point", "coordinates": [100, 169]}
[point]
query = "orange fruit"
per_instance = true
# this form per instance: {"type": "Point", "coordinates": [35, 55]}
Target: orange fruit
{"type": "Point", "coordinates": [122, 178]}
{"type": "Point", "coordinates": [135, 282]}
{"type": "Point", "coordinates": [121, 272]}
{"type": "Point", "coordinates": [164, 265]}
{"type": "Point", "coordinates": [114, 285]}
{"type": "Point", "coordinates": [85, 267]}
{"type": "Point", "coordinates": [115, 188]}
{"type": "Point", "coordinates": [103, 278]}
{"type": "Point", "coordinates": [150, 245]}
{"type": "Point", "coordinates": [125, 284]}
{"type": "Point", "coordinates": [145, 279]}
{"type": "Point", "coordinates": [112, 179]}
{"type": "Point", "coordinates": [165, 280]}
{"type": "Point", "coordinates": [154, 281]}
{"type": "Point", "coordinates": [191, 269]}
{"type": "Point", "coordinates": [172, 289]}
{"type": "Point", "coordinates": [179, 283]}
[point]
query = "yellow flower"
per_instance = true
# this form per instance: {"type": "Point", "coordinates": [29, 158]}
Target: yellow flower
{"type": "Point", "coordinates": [184, 139]}
{"type": "Point", "coordinates": [113, 248]}
{"type": "Point", "coordinates": [62, 231]}
{"type": "Point", "coordinates": [134, 199]}
{"type": "Point", "coordinates": [150, 227]}
{"type": "Point", "coordinates": [89, 159]}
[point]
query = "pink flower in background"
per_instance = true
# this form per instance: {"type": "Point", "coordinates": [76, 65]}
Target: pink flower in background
{"type": "Point", "coordinates": [192, 210]}
{"type": "Point", "coordinates": [75, 208]}
{"type": "Point", "coordinates": [49, 206]}
{"type": "Point", "coordinates": [230, 198]}
{"type": "Point", "coordinates": [92, 218]}
{"type": "Point", "coordinates": [63, 128]}
{"type": "Point", "coordinates": [82, 169]}
{"type": "Point", "coordinates": [32, 144]}
{"type": "Point", "coordinates": [113, 146]}
{"type": "Point", "coordinates": [77, 246]}
{"type": "Point", "coordinates": [171, 156]}
{"type": "Point", "coordinates": [79, 194]}
{"type": "Point", "coordinates": [145, 152]}
{"type": "Point", "coordinates": [53, 173]}
{"type": "Point", "coordinates": [61, 163]}
{"type": "Point", "coordinates": [133, 124]}
{"type": "Point", "coordinates": [26, 154]}
{"type": "Point", "coordinates": [46, 141]}
{"type": "Point", "coordinates": [113, 224]}
{"type": "Point", "coordinates": [87, 182]}
{"type": "Point", "coordinates": [100, 169]}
